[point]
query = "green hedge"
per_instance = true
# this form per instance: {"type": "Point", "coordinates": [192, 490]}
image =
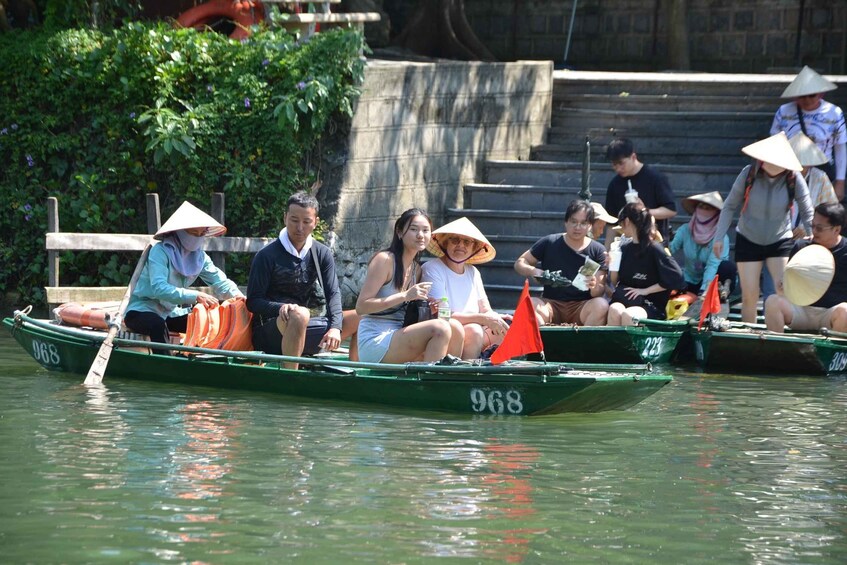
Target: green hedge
{"type": "Point", "coordinates": [101, 119]}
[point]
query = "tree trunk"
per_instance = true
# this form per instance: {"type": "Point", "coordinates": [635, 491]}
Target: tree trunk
{"type": "Point", "coordinates": [439, 28]}
{"type": "Point", "coordinates": [678, 57]}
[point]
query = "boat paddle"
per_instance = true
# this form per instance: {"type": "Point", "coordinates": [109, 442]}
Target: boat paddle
{"type": "Point", "coordinates": [98, 367]}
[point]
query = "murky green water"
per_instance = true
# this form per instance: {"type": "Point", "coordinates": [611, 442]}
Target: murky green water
{"type": "Point", "coordinates": [719, 470]}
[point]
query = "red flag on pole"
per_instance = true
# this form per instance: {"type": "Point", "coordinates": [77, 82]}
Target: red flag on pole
{"type": "Point", "coordinates": [523, 336]}
{"type": "Point", "coordinates": [711, 302]}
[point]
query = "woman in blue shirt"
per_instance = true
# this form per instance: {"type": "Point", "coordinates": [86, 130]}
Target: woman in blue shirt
{"type": "Point", "coordinates": [161, 300]}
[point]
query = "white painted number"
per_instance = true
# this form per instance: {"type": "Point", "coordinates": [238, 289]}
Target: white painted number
{"type": "Point", "coordinates": [493, 401]}
{"type": "Point", "coordinates": [698, 351]}
{"type": "Point", "coordinates": [45, 353]}
{"type": "Point", "coordinates": [838, 363]}
{"type": "Point", "coordinates": [652, 348]}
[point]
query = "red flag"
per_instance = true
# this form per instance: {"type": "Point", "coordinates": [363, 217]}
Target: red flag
{"type": "Point", "coordinates": [711, 302]}
{"type": "Point", "coordinates": [523, 336]}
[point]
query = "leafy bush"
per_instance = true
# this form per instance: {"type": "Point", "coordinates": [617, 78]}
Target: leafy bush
{"type": "Point", "coordinates": [101, 119]}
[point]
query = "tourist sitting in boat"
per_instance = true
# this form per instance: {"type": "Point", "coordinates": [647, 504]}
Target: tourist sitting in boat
{"type": "Point", "coordinates": [821, 190]}
{"type": "Point", "coordinates": [459, 246]}
{"type": "Point", "coordinates": [565, 255]}
{"type": "Point", "coordinates": [293, 290]}
{"type": "Point", "coordinates": [762, 195]}
{"type": "Point", "coordinates": [393, 280]}
{"type": "Point", "coordinates": [601, 219]}
{"type": "Point", "coordinates": [828, 307]}
{"type": "Point", "coordinates": [695, 240]}
{"type": "Point", "coordinates": [646, 273]}
{"type": "Point", "coordinates": [161, 299]}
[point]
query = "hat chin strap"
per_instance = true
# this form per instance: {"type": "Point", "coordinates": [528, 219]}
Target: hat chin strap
{"type": "Point", "coordinates": [471, 256]}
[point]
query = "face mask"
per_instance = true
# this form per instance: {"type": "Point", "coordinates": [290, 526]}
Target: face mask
{"type": "Point", "coordinates": [190, 242]}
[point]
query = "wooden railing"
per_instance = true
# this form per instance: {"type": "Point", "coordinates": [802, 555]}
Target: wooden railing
{"type": "Point", "coordinates": [57, 242]}
{"type": "Point", "coordinates": [306, 22]}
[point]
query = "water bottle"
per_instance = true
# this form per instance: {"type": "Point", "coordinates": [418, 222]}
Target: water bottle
{"type": "Point", "coordinates": [631, 194]}
{"type": "Point", "coordinates": [444, 309]}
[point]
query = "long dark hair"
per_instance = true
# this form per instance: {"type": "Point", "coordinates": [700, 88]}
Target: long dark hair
{"type": "Point", "coordinates": [401, 226]}
{"type": "Point", "coordinates": [640, 217]}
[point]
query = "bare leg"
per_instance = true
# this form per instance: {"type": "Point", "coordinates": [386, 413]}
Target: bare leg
{"type": "Point", "coordinates": [615, 311]}
{"type": "Point", "coordinates": [749, 273]}
{"type": "Point", "coordinates": [778, 313]}
{"type": "Point", "coordinates": [543, 311]}
{"type": "Point", "coordinates": [474, 340]}
{"type": "Point", "coordinates": [428, 339]}
{"type": "Point", "coordinates": [595, 312]}
{"type": "Point", "coordinates": [776, 266]}
{"type": "Point", "coordinates": [457, 338]}
{"type": "Point", "coordinates": [838, 320]}
{"type": "Point", "coordinates": [293, 333]}
{"type": "Point", "coordinates": [350, 328]}
{"type": "Point", "coordinates": [628, 316]}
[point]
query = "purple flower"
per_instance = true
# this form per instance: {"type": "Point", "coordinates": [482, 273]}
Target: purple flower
{"type": "Point", "coordinates": [301, 85]}
{"type": "Point", "coordinates": [4, 131]}
{"type": "Point", "coordinates": [246, 102]}
{"type": "Point", "coordinates": [27, 208]}
{"type": "Point", "coordinates": [27, 217]}
{"type": "Point", "coordinates": [265, 63]}
{"type": "Point", "coordinates": [132, 115]}
{"type": "Point", "coordinates": [14, 127]}
{"type": "Point", "coordinates": [29, 160]}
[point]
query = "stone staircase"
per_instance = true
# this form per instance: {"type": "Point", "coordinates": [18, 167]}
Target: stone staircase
{"type": "Point", "coordinates": [690, 126]}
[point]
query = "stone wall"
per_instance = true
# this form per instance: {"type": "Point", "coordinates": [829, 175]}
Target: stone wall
{"type": "Point", "coordinates": [419, 133]}
{"type": "Point", "coordinates": [725, 35]}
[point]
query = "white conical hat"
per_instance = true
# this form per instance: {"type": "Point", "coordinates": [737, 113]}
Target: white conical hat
{"type": "Point", "coordinates": [808, 275]}
{"type": "Point", "coordinates": [465, 227]}
{"type": "Point", "coordinates": [189, 216]}
{"type": "Point", "coordinates": [807, 151]}
{"type": "Point", "coordinates": [806, 82]}
{"type": "Point", "coordinates": [711, 198]}
{"type": "Point", "coordinates": [774, 150]}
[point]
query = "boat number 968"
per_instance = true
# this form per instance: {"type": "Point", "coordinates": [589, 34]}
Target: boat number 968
{"type": "Point", "coordinates": [45, 353]}
{"type": "Point", "coordinates": [496, 401]}
{"type": "Point", "coordinates": [838, 363]}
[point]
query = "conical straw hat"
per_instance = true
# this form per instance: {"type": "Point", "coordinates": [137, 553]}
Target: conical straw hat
{"type": "Point", "coordinates": [464, 227]}
{"type": "Point", "coordinates": [774, 150]}
{"type": "Point", "coordinates": [600, 213]}
{"type": "Point", "coordinates": [189, 216]}
{"type": "Point", "coordinates": [807, 151]}
{"type": "Point", "coordinates": [806, 82]}
{"type": "Point", "coordinates": [808, 275]}
{"type": "Point", "coordinates": [711, 198]}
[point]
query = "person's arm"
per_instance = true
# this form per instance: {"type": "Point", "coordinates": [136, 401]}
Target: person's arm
{"type": "Point", "coordinates": [379, 272]}
{"type": "Point", "coordinates": [258, 285]}
{"type": "Point", "coordinates": [712, 265]}
{"type": "Point", "coordinates": [804, 202]}
{"type": "Point", "coordinates": [839, 152]}
{"type": "Point", "coordinates": [331, 289]}
{"type": "Point", "coordinates": [731, 204]}
{"type": "Point", "coordinates": [662, 213]}
{"type": "Point", "coordinates": [221, 286]}
{"type": "Point", "coordinates": [525, 266]}
{"type": "Point", "coordinates": [158, 267]}
{"type": "Point", "coordinates": [432, 273]}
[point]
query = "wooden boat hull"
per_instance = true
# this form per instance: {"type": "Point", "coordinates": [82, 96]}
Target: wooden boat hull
{"type": "Point", "coordinates": [751, 350]}
{"type": "Point", "coordinates": [521, 389]}
{"type": "Point", "coordinates": [645, 343]}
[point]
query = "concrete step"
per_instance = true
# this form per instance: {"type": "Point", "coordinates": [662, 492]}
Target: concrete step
{"type": "Point", "coordinates": [689, 124]}
{"type": "Point", "coordinates": [529, 223]}
{"type": "Point", "coordinates": [684, 179]}
{"type": "Point", "coordinates": [505, 297]}
{"type": "Point", "coordinates": [664, 102]}
{"type": "Point", "coordinates": [714, 151]}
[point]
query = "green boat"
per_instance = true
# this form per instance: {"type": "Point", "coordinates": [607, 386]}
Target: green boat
{"type": "Point", "coordinates": [517, 387]}
{"type": "Point", "coordinates": [650, 341]}
{"type": "Point", "coordinates": [751, 348]}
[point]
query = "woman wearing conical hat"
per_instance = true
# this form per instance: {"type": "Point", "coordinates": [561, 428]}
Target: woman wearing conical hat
{"type": "Point", "coordinates": [811, 157]}
{"type": "Point", "coordinates": [695, 240]}
{"type": "Point", "coordinates": [822, 121]}
{"type": "Point", "coordinates": [161, 299]}
{"type": "Point", "coordinates": [459, 246]}
{"type": "Point", "coordinates": [762, 196]}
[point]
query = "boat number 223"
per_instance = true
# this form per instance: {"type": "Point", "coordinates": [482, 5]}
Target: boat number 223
{"type": "Point", "coordinates": [496, 401]}
{"type": "Point", "coordinates": [45, 353]}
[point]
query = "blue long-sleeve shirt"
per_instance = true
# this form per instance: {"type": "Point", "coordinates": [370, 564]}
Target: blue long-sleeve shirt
{"type": "Point", "coordinates": [701, 263]}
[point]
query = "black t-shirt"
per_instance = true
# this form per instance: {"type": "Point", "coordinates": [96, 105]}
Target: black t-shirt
{"type": "Point", "coordinates": [653, 189]}
{"type": "Point", "coordinates": [556, 255]}
{"type": "Point", "coordinates": [837, 291]}
{"type": "Point", "coordinates": [641, 269]}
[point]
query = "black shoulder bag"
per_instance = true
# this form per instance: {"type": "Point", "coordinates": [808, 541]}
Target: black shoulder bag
{"type": "Point", "coordinates": [416, 310]}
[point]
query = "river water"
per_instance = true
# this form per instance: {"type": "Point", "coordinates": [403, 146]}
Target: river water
{"type": "Point", "coordinates": [709, 470]}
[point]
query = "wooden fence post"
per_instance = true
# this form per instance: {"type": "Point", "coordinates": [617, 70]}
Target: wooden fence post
{"type": "Point", "coordinates": [154, 217]}
{"type": "Point", "coordinates": [219, 259]}
{"type": "Point", "coordinates": [52, 256]}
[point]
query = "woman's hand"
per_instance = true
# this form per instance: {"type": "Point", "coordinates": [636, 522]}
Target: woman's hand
{"type": "Point", "coordinates": [207, 300]}
{"type": "Point", "coordinates": [495, 323]}
{"type": "Point", "coordinates": [633, 293]}
{"type": "Point", "coordinates": [717, 248]}
{"type": "Point", "coordinates": [419, 291]}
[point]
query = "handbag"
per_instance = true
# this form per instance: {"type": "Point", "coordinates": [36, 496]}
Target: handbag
{"type": "Point", "coordinates": [417, 311]}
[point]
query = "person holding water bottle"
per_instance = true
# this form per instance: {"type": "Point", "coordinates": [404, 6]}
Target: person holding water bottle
{"type": "Point", "coordinates": [392, 280]}
{"type": "Point", "coordinates": [634, 181]}
{"type": "Point", "coordinates": [457, 285]}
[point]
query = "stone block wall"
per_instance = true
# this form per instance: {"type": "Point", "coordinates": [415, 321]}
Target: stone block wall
{"type": "Point", "coordinates": [420, 132]}
{"type": "Point", "coordinates": [725, 35]}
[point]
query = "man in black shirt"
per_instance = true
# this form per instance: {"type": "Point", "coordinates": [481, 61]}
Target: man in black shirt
{"type": "Point", "coordinates": [830, 310]}
{"type": "Point", "coordinates": [648, 185]}
{"type": "Point", "coordinates": [297, 307]}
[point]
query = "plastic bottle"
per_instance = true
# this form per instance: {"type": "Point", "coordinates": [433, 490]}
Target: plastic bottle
{"type": "Point", "coordinates": [631, 195]}
{"type": "Point", "coordinates": [444, 309]}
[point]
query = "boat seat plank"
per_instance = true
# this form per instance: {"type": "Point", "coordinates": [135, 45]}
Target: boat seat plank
{"type": "Point", "coordinates": [67, 241]}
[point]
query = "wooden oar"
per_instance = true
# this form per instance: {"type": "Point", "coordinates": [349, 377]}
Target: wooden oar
{"type": "Point", "coordinates": [98, 367]}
